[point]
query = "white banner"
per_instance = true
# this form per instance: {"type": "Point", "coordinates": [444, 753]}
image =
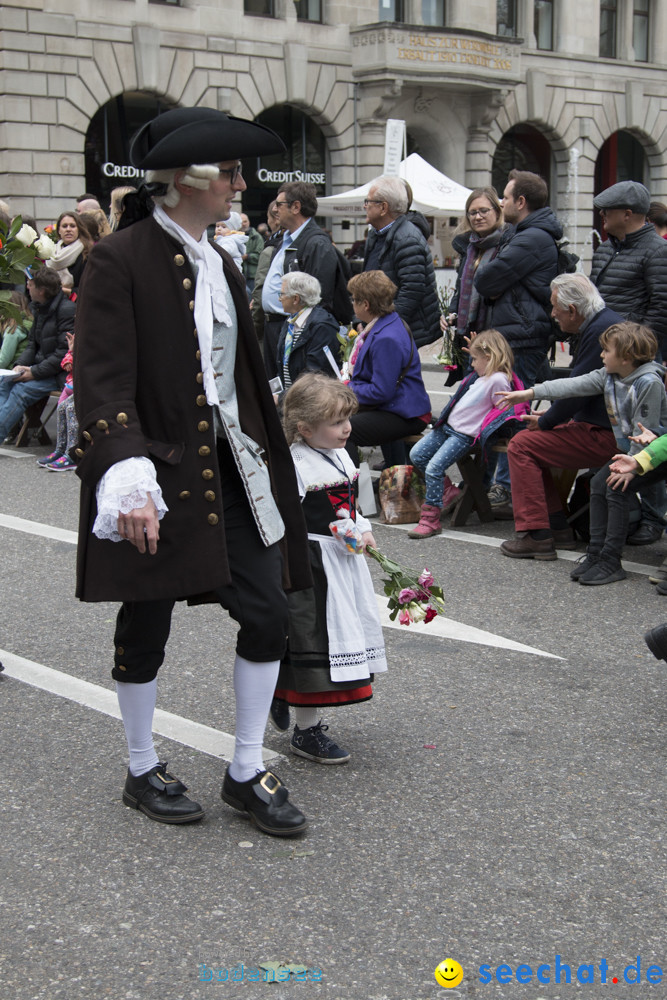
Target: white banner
{"type": "Point", "coordinates": [394, 146]}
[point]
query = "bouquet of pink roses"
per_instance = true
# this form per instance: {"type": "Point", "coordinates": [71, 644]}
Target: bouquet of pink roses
{"type": "Point", "coordinates": [413, 598]}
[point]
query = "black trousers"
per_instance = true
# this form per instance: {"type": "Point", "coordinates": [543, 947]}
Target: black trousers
{"type": "Point", "coordinates": [255, 598]}
{"type": "Point", "coordinates": [373, 427]}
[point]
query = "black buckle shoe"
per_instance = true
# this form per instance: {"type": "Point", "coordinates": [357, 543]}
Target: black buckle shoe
{"type": "Point", "coordinates": [264, 800]}
{"type": "Point", "coordinates": [161, 797]}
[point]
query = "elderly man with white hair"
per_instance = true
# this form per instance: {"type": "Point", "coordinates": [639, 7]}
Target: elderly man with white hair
{"type": "Point", "coordinates": [189, 491]}
{"type": "Point", "coordinates": [573, 433]}
{"type": "Point", "coordinates": [395, 246]}
{"type": "Point", "coordinates": [308, 331]}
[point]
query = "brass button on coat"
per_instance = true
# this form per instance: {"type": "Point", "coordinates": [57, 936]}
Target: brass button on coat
{"type": "Point", "coordinates": [202, 426]}
{"type": "Point", "coordinates": [88, 437]}
{"type": "Point", "coordinates": [187, 284]}
{"type": "Point", "coordinates": [179, 260]}
{"type": "Point", "coordinates": [207, 474]}
{"type": "Point", "coordinates": [78, 452]}
{"type": "Point", "coordinates": [120, 650]}
{"type": "Point", "coordinates": [121, 667]}
{"type": "Point", "coordinates": [209, 495]}
{"type": "Point", "coordinates": [201, 401]}
{"type": "Point", "coordinates": [204, 451]}
{"type": "Point", "coordinates": [212, 518]}
{"type": "Point", "coordinates": [102, 425]}
{"type": "Point", "coordinates": [198, 355]}
{"type": "Point", "coordinates": [191, 305]}
{"type": "Point", "coordinates": [184, 494]}
{"type": "Point", "coordinates": [199, 377]}
{"type": "Point", "coordinates": [122, 418]}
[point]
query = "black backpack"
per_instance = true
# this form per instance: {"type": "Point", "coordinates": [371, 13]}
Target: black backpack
{"type": "Point", "coordinates": [567, 262]}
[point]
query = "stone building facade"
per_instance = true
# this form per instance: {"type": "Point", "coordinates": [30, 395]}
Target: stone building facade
{"type": "Point", "coordinates": [491, 85]}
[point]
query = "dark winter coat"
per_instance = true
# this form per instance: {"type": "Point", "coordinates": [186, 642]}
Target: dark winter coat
{"type": "Point", "coordinates": [516, 284]}
{"type": "Point", "coordinates": [460, 245]}
{"type": "Point", "coordinates": [138, 391]}
{"type": "Point", "coordinates": [631, 275]}
{"type": "Point", "coordinates": [47, 341]}
{"type": "Point", "coordinates": [406, 259]}
{"type": "Point", "coordinates": [590, 409]}
{"type": "Point", "coordinates": [307, 355]}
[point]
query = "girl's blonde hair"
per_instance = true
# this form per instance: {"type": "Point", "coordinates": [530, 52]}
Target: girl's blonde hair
{"type": "Point", "coordinates": [493, 346]}
{"type": "Point", "coordinates": [313, 399]}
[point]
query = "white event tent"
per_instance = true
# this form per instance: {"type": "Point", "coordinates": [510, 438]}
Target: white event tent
{"type": "Point", "coordinates": [434, 193]}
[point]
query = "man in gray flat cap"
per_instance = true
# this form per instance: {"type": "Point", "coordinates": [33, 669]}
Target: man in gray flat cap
{"type": "Point", "coordinates": [630, 267]}
{"type": "Point", "coordinates": [188, 486]}
{"type": "Point", "coordinates": [630, 271]}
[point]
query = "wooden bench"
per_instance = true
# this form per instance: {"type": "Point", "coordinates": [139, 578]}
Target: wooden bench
{"type": "Point", "coordinates": [473, 494]}
{"type": "Point", "coordinates": [35, 419]}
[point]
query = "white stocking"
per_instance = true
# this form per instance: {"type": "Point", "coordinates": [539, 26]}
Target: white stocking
{"type": "Point", "coordinates": [254, 684]}
{"type": "Point", "coordinates": [137, 704]}
{"type": "Point", "coordinates": [306, 716]}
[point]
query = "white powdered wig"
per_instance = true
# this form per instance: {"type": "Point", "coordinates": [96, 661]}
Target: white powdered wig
{"type": "Point", "coordinates": [197, 175]}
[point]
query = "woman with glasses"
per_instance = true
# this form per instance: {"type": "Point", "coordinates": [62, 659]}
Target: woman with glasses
{"type": "Point", "coordinates": [480, 235]}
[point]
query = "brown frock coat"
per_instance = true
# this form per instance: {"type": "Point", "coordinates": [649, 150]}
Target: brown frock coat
{"type": "Point", "coordinates": [138, 391]}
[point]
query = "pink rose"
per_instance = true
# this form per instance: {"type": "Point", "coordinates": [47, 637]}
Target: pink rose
{"type": "Point", "coordinates": [406, 595]}
{"type": "Point", "coordinates": [404, 618]}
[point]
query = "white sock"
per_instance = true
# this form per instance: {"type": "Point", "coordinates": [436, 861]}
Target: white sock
{"type": "Point", "coordinates": [254, 684]}
{"type": "Point", "coordinates": [306, 716]}
{"type": "Point", "coordinates": [137, 704]}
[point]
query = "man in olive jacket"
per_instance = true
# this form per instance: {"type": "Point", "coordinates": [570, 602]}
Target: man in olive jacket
{"type": "Point", "coordinates": [177, 422]}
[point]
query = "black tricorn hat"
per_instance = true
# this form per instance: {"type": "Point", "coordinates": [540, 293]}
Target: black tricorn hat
{"type": "Point", "coordinates": [199, 135]}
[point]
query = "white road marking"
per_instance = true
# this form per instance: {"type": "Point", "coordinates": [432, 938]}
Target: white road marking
{"type": "Point", "coordinates": [15, 453]}
{"type": "Point", "coordinates": [35, 528]}
{"type": "Point", "coordinates": [174, 727]}
{"type": "Point", "coordinates": [447, 628]}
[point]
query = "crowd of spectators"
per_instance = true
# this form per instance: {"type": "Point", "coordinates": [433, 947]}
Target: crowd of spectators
{"type": "Point", "coordinates": [509, 280]}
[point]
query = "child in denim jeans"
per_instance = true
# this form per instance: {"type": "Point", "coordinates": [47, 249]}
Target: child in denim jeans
{"type": "Point", "coordinates": [465, 418]}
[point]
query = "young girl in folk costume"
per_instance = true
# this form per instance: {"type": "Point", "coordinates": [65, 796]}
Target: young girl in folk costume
{"type": "Point", "coordinates": [335, 638]}
{"type": "Point", "coordinates": [470, 415]}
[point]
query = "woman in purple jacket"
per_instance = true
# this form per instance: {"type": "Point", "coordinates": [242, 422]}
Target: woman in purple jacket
{"type": "Point", "coordinates": [385, 369]}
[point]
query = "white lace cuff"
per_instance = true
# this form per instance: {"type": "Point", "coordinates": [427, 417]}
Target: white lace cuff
{"type": "Point", "coordinates": [124, 487]}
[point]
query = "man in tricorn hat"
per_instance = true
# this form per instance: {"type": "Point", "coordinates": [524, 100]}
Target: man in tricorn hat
{"type": "Point", "coordinates": [188, 488]}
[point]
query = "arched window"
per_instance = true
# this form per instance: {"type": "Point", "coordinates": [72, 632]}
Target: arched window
{"type": "Point", "coordinates": [107, 144]}
{"type": "Point", "coordinates": [522, 148]}
{"type": "Point", "coordinates": [305, 158]}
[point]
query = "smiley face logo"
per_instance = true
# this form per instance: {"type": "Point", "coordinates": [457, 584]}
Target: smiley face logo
{"type": "Point", "coordinates": [448, 974]}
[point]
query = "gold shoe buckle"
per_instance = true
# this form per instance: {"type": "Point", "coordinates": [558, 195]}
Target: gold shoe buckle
{"type": "Point", "coordinates": [263, 782]}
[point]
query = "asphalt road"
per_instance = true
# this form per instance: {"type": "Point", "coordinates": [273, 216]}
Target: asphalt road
{"type": "Point", "coordinates": [504, 803]}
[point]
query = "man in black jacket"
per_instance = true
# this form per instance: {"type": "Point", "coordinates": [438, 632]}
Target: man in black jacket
{"type": "Point", "coordinates": [38, 371]}
{"type": "Point", "coordinates": [397, 247]}
{"type": "Point", "coordinates": [516, 287]}
{"type": "Point", "coordinates": [630, 268]}
{"type": "Point", "coordinates": [305, 247]}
